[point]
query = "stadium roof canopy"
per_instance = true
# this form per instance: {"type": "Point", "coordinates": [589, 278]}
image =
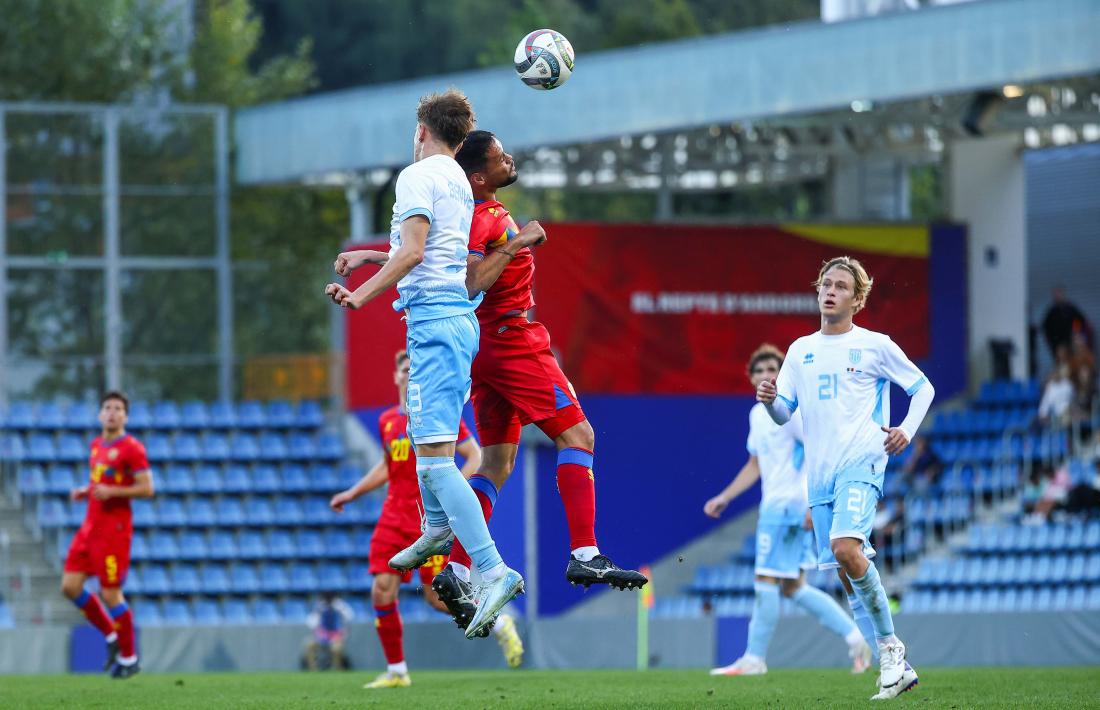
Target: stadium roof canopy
{"type": "Point", "coordinates": [768, 105]}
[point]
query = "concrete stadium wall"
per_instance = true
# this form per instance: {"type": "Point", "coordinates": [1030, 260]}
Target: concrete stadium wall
{"type": "Point", "coordinates": [1037, 639]}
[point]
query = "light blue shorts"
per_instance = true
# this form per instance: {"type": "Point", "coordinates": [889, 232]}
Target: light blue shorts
{"type": "Point", "coordinates": [783, 551]}
{"type": "Point", "coordinates": [851, 514]}
{"type": "Point", "coordinates": [440, 354]}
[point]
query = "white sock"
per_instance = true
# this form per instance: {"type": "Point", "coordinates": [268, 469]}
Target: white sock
{"type": "Point", "coordinates": [401, 667]}
{"type": "Point", "coordinates": [437, 532]}
{"type": "Point", "coordinates": [461, 571]}
{"type": "Point", "coordinates": [498, 628]}
{"type": "Point", "coordinates": [112, 637]}
{"type": "Point", "coordinates": [585, 554]}
{"type": "Point", "coordinates": [127, 660]}
{"type": "Point", "coordinates": [854, 638]}
{"type": "Point", "coordinates": [888, 640]}
{"type": "Point", "coordinates": [495, 573]}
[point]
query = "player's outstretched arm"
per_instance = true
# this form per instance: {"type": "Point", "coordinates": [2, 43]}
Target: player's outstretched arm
{"type": "Point", "coordinates": [348, 261]}
{"type": "Point", "coordinates": [471, 451]}
{"type": "Point", "coordinates": [482, 273]}
{"type": "Point", "coordinates": [748, 475]}
{"type": "Point", "coordinates": [414, 236]}
{"type": "Point", "coordinates": [141, 488]}
{"type": "Point", "coordinates": [898, 438]}
{"type": "Point", "coordinates": [375, 478]}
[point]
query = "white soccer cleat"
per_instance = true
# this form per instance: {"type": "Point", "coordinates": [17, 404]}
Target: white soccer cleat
{"type": "Point", "coordinates": [891, 665]}
{"type": "Point", "coordinates": [908, 681]}
{"type": "Point", "coordinates": [745, 665]}
{"type": "Point", "coordinates": [425, 548]}
{"type": "Point", "coordinates": [861, 657]}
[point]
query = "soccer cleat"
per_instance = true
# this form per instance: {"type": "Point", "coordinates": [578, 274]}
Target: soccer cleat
{"type": "Point", "coordinates": [112, 655]}
{"type": "Point", "coordinates": [908, 681]}
{"type": "Point", "coordinates": [861, 657]}
{"type": "Point", "coordinates": [509, 640]}
{"type": "Point", "coordinates": [389, 679]}
{"type": "Point", "coordinates": [416, 554]}
{"type": "Point", "coordinates": [458, 595]}
{"type": "Point", "coordinates": [891, 665]}
{"type": "Point", "coordinates": [491, 598]}
{"type": "Point", "coordinates": [601, 570]}
{"type": "Point", "coordinates": [745, 665]}
{"type": "Point", "coordinates": [121, 672]}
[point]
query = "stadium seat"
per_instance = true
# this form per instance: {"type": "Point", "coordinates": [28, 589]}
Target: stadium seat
{"type": "Point", "coordinates": [139, 416]}
{"type": "Point", "coordinates": [265, 479]}
{"type": "Point", "coordinates": [81, 416]}
{"type": "Point", "coordinates": [280, 415]}
{"type": "Point", "coordinates": [332, 577]}
{"type": "Point", "coordinates": [194, 415]}
{"type": "Point", "coordinates": [301, 447]}
{"type": "Point", "coordinates": [309, 415]}
{"type": "Point", "coordinates": [295, 479]}
{"type": "Point", "coordinates": [243, 579]}
{"type": "Point", "coordinates": [74, 516]}
{"type": "Point", "coordinates": [279, 545]}
{"type": "Point", "coordinates": [187, 448]}
{"type": "Point", "coordinates": [175, 612]}
{"type": "Point", "coordinates": [209, 479]}
{"type": "Point", "coordinates": [223, 415]}
{"type": "Point", "coordinates": [139, 548]}
{"type": "Point", "coordinates": [358, 576]}
{"type": "Point", "coordinates": [295, 610]}
{"type": "Point", "coordinates": [20, 416]}
{"type": "Point", "coordinates": [360, 608]}
{"type": "Point", "coordinates": [237, 479]}
{"type": "Point", "coordinates": [251, 415]}
{"type": "Point", "coordinates": [317, 512]}
{"type": "Point", "coordinates": [264, 611]}
{"type": "Point", "coordinates": [273, 578]}
{"type": "Point", "coordinates": [193, 546]}
{"type": "Point", "coordinates": [337, 544]}
{"type": "Point", "coordinates": [41, 448]}
{"type": "Point", "coordinates": [158, 447]}
{"type": "Point", "coordinates": [166, 415]}
{"type": "Point", "coordinates": [309, 544]}
{"type": "Point", "coordinates": [215, 447]}
{"type": "Point", "coordinates": [360, 540]}
{"type": "Point", "coordinates": [147, 613]}
{"type": "Point", "coordinates": [250, 546]}
{"type": "Point", "coordinates": [163, 546]}
{"type": "Point", "coordinates": [215, 579]}
{"type": "Point", "coordinates": [303, 578]}
{"type": "Point", "coordinates": [1093, 602]}
{"type": "Point", "coordinates": [60, 480]}
{"type": "Point", "coordinates": [329, 447]}
{"type": "Point", "coordinates": [288, 511]}
{"type": "Point", "coordinates": [272, 447]}
{"type": "Point", "coordinates": [206, 611]}
{"type": "Point", "coordinates": [221, 545]}
{"type": "Point", "coordinates": [235, 612]}
{"type": "Point", "coordinates": [1092, 536]}
{"type": "Point", "coordinates": [200, 513]}
{"type": "Point", "coordinates": [326, 479]}
{"type": "Point", "coordinates": [145, 514]}
{"type": "Point", "coordinates": [71, 448]}
{"type": "Point", "coordinates": [170, 513]}
{"type": "Point", "coordinates": [154, 580]}
{"type": "Point", "coordinates": [1078, 598]}
{"type": "Point", "coordinates": [50, 416]}
{"type": "Point", "coordinates": [244, 448]}
{"type": "Point", "coordinates": [228, 511]}
{"type": "Point", "coordinates": [31, 480]}
{"type": "Point", "coordinates": [175, 479]}
{"type": "Point", "coordinates": [261, 511]}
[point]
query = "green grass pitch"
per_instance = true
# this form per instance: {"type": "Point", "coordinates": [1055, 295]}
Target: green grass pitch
{"type": "Point", "coordinates": [1030, 688]}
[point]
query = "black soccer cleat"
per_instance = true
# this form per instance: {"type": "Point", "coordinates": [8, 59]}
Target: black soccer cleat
{"type": "Point", "coordinates": [121, 672]}
{"type": "Point", "coordinates": [459, 598]}
{"type": "Point", "coordinates": [601, 570]}
{"type": "Point", "coordinates": [112, 655]}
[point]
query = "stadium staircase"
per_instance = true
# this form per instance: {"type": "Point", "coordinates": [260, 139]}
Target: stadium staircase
{"type": "Point", "coordinates": [239, 532]}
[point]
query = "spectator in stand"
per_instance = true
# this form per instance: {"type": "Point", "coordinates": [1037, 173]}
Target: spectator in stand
{"type": "Point", "coordinates": [1055, 491]}
{"type": "Point", "coordinates": [1081, 357]}
{"type": "Point", "coordinates": [889, 518]}
{"type": "Point", "coordinates": [1054, 408]}
{"type": "Point", "coordinates": [1084, 394]}
{"type": "Point", "coordinates": [1061, 321]}
{"type": "Point", "coordinates": [328, 621]}
{"type": "Point", "coordinates": [922, 468]}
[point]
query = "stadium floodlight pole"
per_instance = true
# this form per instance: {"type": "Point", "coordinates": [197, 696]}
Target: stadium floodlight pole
{"type": "Point", "coordinates": [111, 272]}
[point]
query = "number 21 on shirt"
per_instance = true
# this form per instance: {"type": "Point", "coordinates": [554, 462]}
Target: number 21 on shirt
{"type": "Point", "coordinates": [827, 386]}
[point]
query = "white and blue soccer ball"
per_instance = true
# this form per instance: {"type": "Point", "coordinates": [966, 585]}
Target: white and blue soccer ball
{"type": "Point", "coordinates": [544, 59]}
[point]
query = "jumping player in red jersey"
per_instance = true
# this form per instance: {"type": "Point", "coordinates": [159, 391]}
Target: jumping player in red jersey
{"type": "Point", "coordinates": [399, 527]}
{"type": "Point", "coordinates": [101, 548]}
{"type": "Point", "coordinates": [517, 380]}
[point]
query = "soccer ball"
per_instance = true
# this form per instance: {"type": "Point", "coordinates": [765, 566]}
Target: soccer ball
{"type": "Point", "coordinates": [544, 59]}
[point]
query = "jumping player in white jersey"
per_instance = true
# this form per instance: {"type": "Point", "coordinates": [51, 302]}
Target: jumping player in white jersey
{"type": "Point", "coordinates": [839, 378]}
{"type": "Point", "coordinates": [429, 235]}
{"type": "Point", "coordinates": [784, 541]}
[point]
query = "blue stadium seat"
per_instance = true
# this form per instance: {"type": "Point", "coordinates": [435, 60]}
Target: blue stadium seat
{"type": "Point", "coordinates": [295, 479]}
{"type": "Point", "coordinates": [32, 480]}
{"type": "Point", "coordinates": [193, 546]}
{"type": "Point", "coordinates": [170, 513]}
{"type": "Point", "coordinates": [273, 578]}
{"type": "Point", "coordinates": [1060, 600]}
{"type": "Point", "coordinates": [303, 578]}
{"type": "Point", "coordinates": [1092, 536]}
{"type": "Point", "coordinates": [264, 611]}
{"type": "Point", "coordinates": [250, 546]}
{"type": "Point", "coordinates": [301, 447]}
{"type": "Point", "coordinates": [206, 611]}
{"type": "Point", "coordinates": [1093, 602]}
{"type": "Point", "coordinates": [331, 577]}
{"type": "Point", "coordinates": [1059, 572]}
{"type": "Point", "coordinates": [132, 583]}
{"type": "Point", "coordinates": [71, 448]}
{"type": "Point", "coordinates": [139, 416]}
{"type": "Point", "coordinates": [280, 415]}
{"type": "Point", "coordinates": [309, 415]}
{"type": "Point", "coordinates": [229, 511]}
{"type": "Point", "coordinates": [288, 511]}
{"type": "Point", "coordinates": [1092, 568]}
{"type": "Point", "coordinates": [166, 415]}
{"type": "Point", "coordinates": [41, 448]}
{"type": "Point", "coordinates": [235, 612]}
{"type": "Point", "coordinates": [272, 447]}
{"type": "Point", "coordinates": [360, 609]}
{"type": "Point", "coordinates": [1027, 600]}
{"type": "Point", "coordinates": [145, 514]}
{"type": "Point", "coordinates": [215, 447]}
{"type": "Point", "coordinates": [75, 516]}
{"type": "Point", "coordinates": [147, 613]}
{"type": "Point", "coordinates": [1075, 573]}
{"type": "Point", "coordinates": [154, 580]}
{"type": "Point", "coordinates": [261, 511]}
{"type": "Point", "coordinates": [251, 415]}
{"type": "Point", "coordinates": [194, 415]}
{"type": "Point", "coordinates": [158, 447]}
{"type": "Point", "coordinates": [237, 480]}
{"type": "Point", "coordinates": [1075, 536]}
{"type": "Point", "coordinates": [1044, 599]}
{"type": "Point", "coordinates": [200, 513]}
{"type": "Point", "coordinates": [317, 512]}
{"type": "Point", "coordinates": [223, 415]}
{"type": "Point", "coordinates": [139, 548]}
{"type": "Point", "coordinates": [81, 416]}
{"type": "Point", "coordinates": [1078, 598]}
{"type": "Point", "coordinates": [337, 544]}
{"type": "Point", "coordinates": [368, 512]}
{"type": "Point", "coordinates": [20, 416]}
{"type": "Point", "coordinates": [280, 545]}
{"type": "Point", "coordinates": [176, 613]}
{"type": "Point", "coordinates": [163, 546]}
{"type": "Point", "coordinates": [60, 480]}
{"type": "Point", "coordinates": [295, 610]}
{"type": "Point", "coordinates": [358, 576]}
{"type": "Point", "coordinates": [222, 546]}
{"type": "Point", "coordinates": [265, 479]}
{"type": "Point", "coordinates": [187, 448]}
{"type": "Point", "coordinates": [326, 478]}
{"type": "Point", "coordinates": [209, 479]}
{"type": "Point", "coordinates": [329, 447]}
{"type": "Point", "coordinates": [309, 544]}
{"type": "Point", "coordinates": [243, 579]}
{"type": "Point", "coordinates": [244, 448]}
{"type": "Point", "coordinates": [175, 479]}
{"type": "Point", "coordinates": [51, 416]}
{"type": "Point", "coordinates": [360, 540]}
{"type": "Point", "coordinates": [215, 579]}
{"type": "Point", "coordinates": [349, 475]}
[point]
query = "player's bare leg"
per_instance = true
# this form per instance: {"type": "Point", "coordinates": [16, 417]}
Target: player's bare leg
{"type": "Point", "coordinates": [831, 615]}
{"type": "Point", "coordinates": [72, 587]}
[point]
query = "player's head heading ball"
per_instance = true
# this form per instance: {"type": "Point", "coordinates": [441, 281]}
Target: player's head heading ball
{"type": "Point", "coordinates": [448, 117]}
{"type": "Point", "coordinates": [843, 287]}
{"type": "Point", "coordinates": [484, 161]}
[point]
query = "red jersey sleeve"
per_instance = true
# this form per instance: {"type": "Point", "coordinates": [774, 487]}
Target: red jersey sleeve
{"type": "Point", "coordinates": [464, 432]}
{"type": "Point", "coordinates": [382, 436]}
{"type": "Point", "coordinates": [138, 460]}
{"type": "Point", "coordinates": [489, 229]}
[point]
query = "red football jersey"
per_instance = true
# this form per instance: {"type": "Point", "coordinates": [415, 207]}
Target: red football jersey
{"type": "Point", "coordinates": [400, 454]}
{"type": "Point", "coordinates": [113, 463]}
{"type": "Point", "coordinates": [512, 293]}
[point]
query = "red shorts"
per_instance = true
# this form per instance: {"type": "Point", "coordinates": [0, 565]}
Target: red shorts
{"type": "Point", "coordinates": [392, 535]}
{"type": "Point", "coordinates": [103, 552]}
{"type": "Point", "coordinates": [517, 381]}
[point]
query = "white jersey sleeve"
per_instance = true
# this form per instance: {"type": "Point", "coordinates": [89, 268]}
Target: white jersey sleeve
{"type": "Point", "coordinates": [894, 365]}
{"type": "Point", "coordinates": [786, 384]}
{"type": "Point", "coordinates": [415, 195]}
{"type": "Point", "coordinates": [753, 442]}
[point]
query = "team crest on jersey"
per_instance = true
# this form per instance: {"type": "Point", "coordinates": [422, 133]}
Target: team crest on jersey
{"type": "Point", "coordinates": [389, 425]}
{"type": "Point", "coordinates": [112, 454]}
{"type": "Point", "coordinates": [855, 355]}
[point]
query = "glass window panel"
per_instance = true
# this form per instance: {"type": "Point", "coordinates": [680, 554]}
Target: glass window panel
{"type": "Point", "coordinates": [169, 312]}
{"type": "Point", "coordinates": [54, 149]}
{"type": "Point", "coordinates": [56, 225]}
{"type": "Point", "coordinates": [162, 149]}
{"type": "Point", "coordinates": [167, 226]}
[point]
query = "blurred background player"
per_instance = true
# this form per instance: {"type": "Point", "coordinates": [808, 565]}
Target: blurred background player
{"type": "Point", "coordinates": [518, 381]}
{"type": "Point", "coordinates": [328, 626]}
{"type": "Point", "coordinates": [429, 234]}
{"type": "Point", "coordinates": [784, 537]}
{"type": "Point", "coordinates": [119, 471]}
{"type": "Point", "coordinates": [839, 378]}
{"type": "Point", "coordinates": [399, 526]}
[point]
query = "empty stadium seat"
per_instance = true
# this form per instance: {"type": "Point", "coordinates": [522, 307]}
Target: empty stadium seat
{"type": "Point", "coordinates": [265, 479]}
{"type": "Point", "coordinates": [206, 611]}
{"type": "Point", "coordinates": [243, 579]}
{"type": "Point", "coordinates": [162, 546]}
{"type": "Point", "coordinates": [329, 447]}
{"type": "Point", "coordinates": [301, 447]}
{"type": "Point", "coordinates": [71, 448]}
{"type": "Point", "coordinates": [193, 546]}
{"type": "Point", "coordinates": [188, 448]}
{"type": "Point", "coordinates": [332, 577]}
{"type": "Point", "coordinates": [228, 511]}
{"type": "Point", "coordinates": [175, 612]}
{"type": "Point", "coordinates": [261, 511]}
{"type": "Point", "coordinates": [325, 478]}
{"type": "Point", "coordinates": [250, 546]}
{"type": "Point", "coordinates": [235, 611]}
{"type": "Point", "coordinates": [147, 613]}
{"type": "Point", "coordinates": [41, 448]}
{"type": "Point", "coordinates": [237, 479]}
{"type": "Point", "coordinates": [294, 610]}
{"type": "Point", "coordinates": [358, 576]}
{"type": "Point", "coordinates": [309, 544]}
{"type": "Point", "coordinates": [303, 578]}
{"type": "Point", "coordinates": [158, 448]}
{"type": "Point", "coordinates": [194, 415]}
{"type": "Point", "coordinates": [31, 480]}
{"type": "Point", "coordinates": [200, 513]}
{"type": "Point", "coordinates": [273, 578]}
{"type": "Point", "coordinates": [251, 415]}
{"type": "Point", "coordinates": [154, 580]}
{"type": "Point", "coordinates": [170, 512]}
{"type": "Point", "coordinates": [81, 416]}
{"type": "Point", "coordinates": [61, 479]}
{"type": "Point", "coordinates": [280, 545]}
{"type": "Point", "coordinates": [288, 511]}
{"type": "Point", "coordinates": [209, 479]}
{"type": "Point", "coordinates": [166, 415]}
{"type": "Point", "coordinates": [244, 448]}
{"type": "Point", "coordinates": [221, 545]}
{"type": "Point", "coordinates": [139, 416]}
{"type": "Point", "coordinates": [215, 446]}
{"type": "Point", "coordinates": [337, 544]}
{"type": "Point", "coordinates": [309, 415]}
{"type": "Point", "coordinates": [295, 479]}
{"type": "Point", "coordinates": [280, 415]}
{"type": "Point", "coordinates": [139, 548]}
{"type": "Point", "coordinates": [175, 479]}
{"type": "Point", "coordinates": [223, 415]}
{"type": "Point", "coordinates": [264, 611]}
{"type": "Point", "coordinates": [20, 415]}
{"type": "Point", "coordinates": [215, 579]}
{"type": "Point", "coordinates": [272, 447]}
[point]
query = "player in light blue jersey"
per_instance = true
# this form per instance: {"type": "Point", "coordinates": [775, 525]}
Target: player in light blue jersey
{"type": "Point", "coordinates": [429, 235]}
{"type": "Point", "coordinates": [784, 542]}
{"type": "Point", "coordinates": [839, 379]}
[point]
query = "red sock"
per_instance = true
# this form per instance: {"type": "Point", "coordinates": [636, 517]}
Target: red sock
{"type": "Point", "coordinates": [124, 624]}
{"type": "Point", "coordinates": [577, 488]}
{"type": "Point", "coordinates": [390, 631]}
{"type": "Point", "coordinates": [486, 494]}
{"type": "Point", "coordinates": [94, 612]}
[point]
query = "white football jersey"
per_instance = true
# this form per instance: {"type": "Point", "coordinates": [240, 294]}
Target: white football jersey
{"type": "Point", "coordinates": [778, 450]}
{"type": "Point", "coordinates": [841, 384]}
{"type": "Point", "coordinates": [435, 187]}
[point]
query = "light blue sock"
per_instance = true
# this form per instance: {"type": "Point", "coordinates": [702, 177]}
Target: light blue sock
{"type": "Point", "coordinates": [456, 505]}
{"type": "Point", "coordinates": [863, 621]}
{"type": "Point", "coordinates": [870, 591]}
{"type": "Point", "coordinates": [765, 615]}
{"type": "Point", "coordinates": [825, 608]}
